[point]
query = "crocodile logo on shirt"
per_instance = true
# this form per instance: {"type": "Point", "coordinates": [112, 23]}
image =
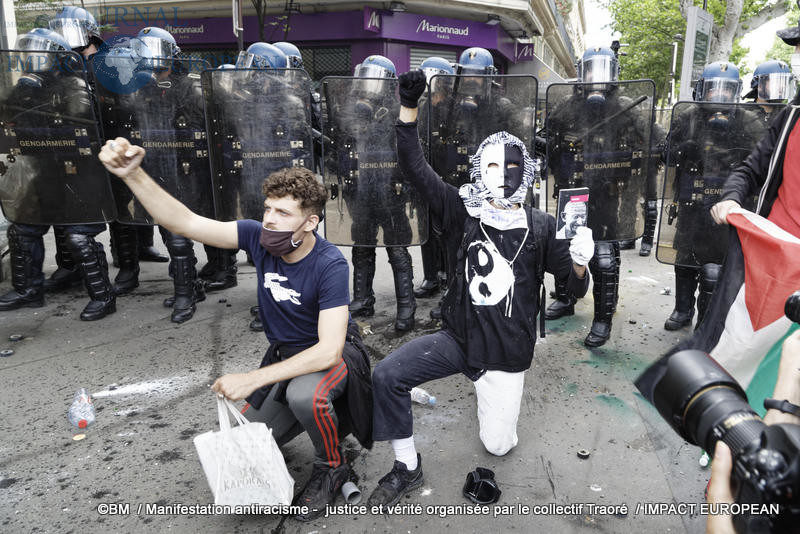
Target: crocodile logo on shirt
{"type": "Point", "coordinates": [272, 281]}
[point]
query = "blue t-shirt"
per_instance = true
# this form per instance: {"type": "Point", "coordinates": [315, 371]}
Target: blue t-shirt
{"type": "Point", "coordinates": [291, 295]}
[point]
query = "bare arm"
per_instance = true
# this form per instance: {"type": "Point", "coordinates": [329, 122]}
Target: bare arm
{"type": "Point", "coordinates": [787, 387]}
{"type": "Point", "coordinates": [124, 160]}
{"type": "Point", "coordinates": [325, 354]}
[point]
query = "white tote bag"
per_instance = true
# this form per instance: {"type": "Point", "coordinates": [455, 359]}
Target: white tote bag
{"type": "Point", "coordinates": [243, 464]}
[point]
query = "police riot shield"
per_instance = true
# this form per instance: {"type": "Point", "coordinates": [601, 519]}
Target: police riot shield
{"type": "Point", "coordinates": [258, 121]}
{"type": "Point", "coordinates": [160, 109]}
{"type": "Point", "coordinates": [706, 142]}
{"type": "Point", "coordinates": [462, 111]}
{"type": "Point", "coordinates": [49, 141]}
{"type": "Point", "coordinates": [599, 136]}
{"type": "Point", "coordinates": [370, 202]}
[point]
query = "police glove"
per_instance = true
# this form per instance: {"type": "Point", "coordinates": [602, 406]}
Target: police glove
{"type": "Point", "coordinates": [581, 249]}
{"type": "Point", "coordinates": [412, 85]}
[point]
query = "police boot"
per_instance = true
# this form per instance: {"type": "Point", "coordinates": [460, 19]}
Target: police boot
{"type": "Point", "coordinates": [605, 274]}
{"type": "Point", "coordinates": [93, 265]}
{"type": "Point", "coordinates": [147, 252]}
{"type": "Point", "coordinates": [224, 276]}
{"type": "Point", "coordinates": [67, 273]}
{"type": "Point", "coordinates": [430, 269]}
{"type": "Point", "coordinates": [650, 219]}
{"type": "Point", "coordinates": [188, 289]}
{"type": "Point", "coordinates": [26, 272]}
{"type": "Point", "coordinates": [627, 244]}
{"type": "Point", "coordinates": [125, 238]}
{"type": "Point", "coordinates": [363, 303]}
{"type": "Point", "coordinates": [400, 260]}
{"type": "Point", "coordinates": [685, 285]}
{"type": "Point", "coordinates": [564, 303]}
{"type": "Point", "coordinates": [709, 276]}
{"type": "Point", "coordinates": [212, 261]}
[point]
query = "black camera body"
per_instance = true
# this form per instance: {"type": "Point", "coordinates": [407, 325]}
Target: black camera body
{"type": "Point", "coordinates": [705, 404]}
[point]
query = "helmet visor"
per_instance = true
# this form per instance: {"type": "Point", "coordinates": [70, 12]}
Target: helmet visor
{"type": "Point", "coordinates": [30, 60]}
{"type": "Point", "coordinates": [720, 90]}
{"type": "Point", "coordinates": [157, 53]}
{"type": "Point", "coordinates": [776, 87]}
{"type": "Point", "coordinates": [599, 69]}
{"type": "Point", "coordinates": [372, 71]}
{"type": "Point", "coordinates": [439, 80]}
{"type": "Point", "coordinates": [75, 31]}
{"type": "Point", "coordinates": [245, 60]}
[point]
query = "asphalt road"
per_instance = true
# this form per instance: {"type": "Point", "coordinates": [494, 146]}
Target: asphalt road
{"type": "Point", "coordinates": [151, 379]}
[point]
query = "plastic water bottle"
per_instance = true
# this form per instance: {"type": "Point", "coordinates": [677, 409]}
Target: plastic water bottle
{"type": "Point", "coordinates": [81, 412]}
{"type": "Point", "coordinates": [423, 397]}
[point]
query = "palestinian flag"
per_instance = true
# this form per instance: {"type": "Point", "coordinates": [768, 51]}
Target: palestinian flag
{"type": "Point", "coordinates": [745, 318]}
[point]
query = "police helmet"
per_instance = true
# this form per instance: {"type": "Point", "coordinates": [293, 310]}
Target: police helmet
{"type": "Point", "coordinates": [262, 56]}
{"type": "Point", "coordinates": [77, 26]}
{"type": "Point", "coordinates": [375, 67]}
{"type": "Point", "coordinates": [40, 40]}
{"type": "Point", "coordinates": [156, 46]}
{"type": "Point", "coordinates": [719, 82]}
{"type": "Point", "coordinates": [598, 64]}
{"type": "Point", "coordinates": [292, 53]}
{"type": "Point", "coordinates": [476, 60]}
{"type": "Point", "coordinates": [772, 82]}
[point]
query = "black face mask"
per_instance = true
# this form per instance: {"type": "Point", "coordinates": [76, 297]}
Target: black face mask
{"type": "Point", "coordinates": [279, 242]}
{"type": "Point", "coordinates": [512, 176]}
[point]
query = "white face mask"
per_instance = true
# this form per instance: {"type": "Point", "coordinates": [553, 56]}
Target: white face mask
{"type": "Point", "coordinates": [493, 177]}
{"type": "Point", "coordinates": [796, 64]}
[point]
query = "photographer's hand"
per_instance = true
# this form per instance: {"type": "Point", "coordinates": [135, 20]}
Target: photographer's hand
{"type": "Point", "coordinates": [719, 490]}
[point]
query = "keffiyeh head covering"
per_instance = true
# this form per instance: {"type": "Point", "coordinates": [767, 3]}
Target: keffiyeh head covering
{"type": "Point", "coordinates": [475, 194]}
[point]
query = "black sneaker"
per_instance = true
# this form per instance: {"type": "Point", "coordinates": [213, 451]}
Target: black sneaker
{"type": "Point", "coordinates": [396, 483]}
{"type": "Point", "coordinates": [321, 490]}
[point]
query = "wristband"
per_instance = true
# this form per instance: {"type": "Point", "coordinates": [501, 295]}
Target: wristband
{"type": "Point", "coordinates": [783, 405]}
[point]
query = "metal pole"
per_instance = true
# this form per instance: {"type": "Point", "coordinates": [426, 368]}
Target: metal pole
{"type": "Point", "coordinates": [672, 72]}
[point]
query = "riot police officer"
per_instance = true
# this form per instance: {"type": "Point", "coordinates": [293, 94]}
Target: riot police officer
{"type": "Point", "coordinates": [66, 92]}
{"type": "Point", "coordinates": [433, 258]}
{"type": "Point", "coordinates": [698, 143]}
{"type": "Point", "coordinates": [220, 269]}
{"type": "Point", "coordinates": [377, 198]}
{"type": "Point", "coordinates": [772, 83]}
{"type": "Point", "coordinates": [170, 99]}
{"type": "Point", "coordinates": [80, 29]}
{"type": "Point", "coordinates": [611, 131]}
{"type": "Point", "coordinates": [280, 55]}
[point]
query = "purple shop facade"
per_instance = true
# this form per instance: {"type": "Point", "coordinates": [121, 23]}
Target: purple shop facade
{"type": "Point", "coordinates": [366, 32]}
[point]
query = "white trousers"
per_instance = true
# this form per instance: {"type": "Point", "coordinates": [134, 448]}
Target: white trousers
{"type": "Point", "coordinates": [499, 396]}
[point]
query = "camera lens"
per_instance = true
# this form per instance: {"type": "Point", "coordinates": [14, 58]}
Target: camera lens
{"type": "Point", "coordinates": [704, 404]}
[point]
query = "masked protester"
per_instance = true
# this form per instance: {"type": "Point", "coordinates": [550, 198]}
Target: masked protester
{"type": "Point", "coordinates": [315, 376]}
{"type": "Point", "coordinates": [489, 315]}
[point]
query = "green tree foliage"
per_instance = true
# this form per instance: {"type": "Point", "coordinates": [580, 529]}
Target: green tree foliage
{"type": "Point", "coordinates": [649, 27]}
